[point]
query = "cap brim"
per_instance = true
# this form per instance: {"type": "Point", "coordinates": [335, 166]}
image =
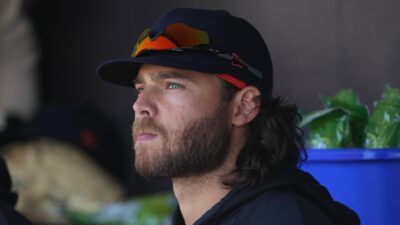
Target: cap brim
{"type": "Point", "coordinates": [123, 71]}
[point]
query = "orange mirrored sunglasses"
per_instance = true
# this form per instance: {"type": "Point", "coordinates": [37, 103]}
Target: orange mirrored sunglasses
{"type": "Point", "coordinates": [177, 35]}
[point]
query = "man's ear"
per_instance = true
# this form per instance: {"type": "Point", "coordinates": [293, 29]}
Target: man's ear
{"type": "Point", "coordinates": [246, 106]}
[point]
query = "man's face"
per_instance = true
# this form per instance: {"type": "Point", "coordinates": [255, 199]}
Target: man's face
{"type": "Point", "coordinates": [181, 125]}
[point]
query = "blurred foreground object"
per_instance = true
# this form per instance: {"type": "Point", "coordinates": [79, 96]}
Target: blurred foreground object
{"type": "Point", "coordinates": [84, 127]}
{"type": "Point", "coordinates": [51, 177]}
{"type": "Point", "coordinates": [345, 123]}
{"type": "Point", "coordinates": [150, 210]}
{"type": "Point", "coordinates": [18, 59]}
{"type": "Point", "coordinates": [8, 215]}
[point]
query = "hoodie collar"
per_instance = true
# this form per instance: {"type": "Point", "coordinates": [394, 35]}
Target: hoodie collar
{"type": "Point", "coordinates": [300, 181]}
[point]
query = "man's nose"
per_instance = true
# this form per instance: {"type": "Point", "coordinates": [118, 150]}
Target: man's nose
{"type": "Point", "coordinates": [144, 104]}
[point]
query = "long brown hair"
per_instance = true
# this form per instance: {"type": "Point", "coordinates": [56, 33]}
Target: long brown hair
{"type": "Point", "coordinates": [274, 141]}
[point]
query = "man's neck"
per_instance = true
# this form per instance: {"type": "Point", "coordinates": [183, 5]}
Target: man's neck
{"type": "Point", "coordinates": [196, 195]}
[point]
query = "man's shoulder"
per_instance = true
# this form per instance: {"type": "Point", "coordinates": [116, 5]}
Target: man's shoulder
{"type": "Point", "coordinates": [279, 207]}
{"type": "Point", "coordinates": [271, 207]}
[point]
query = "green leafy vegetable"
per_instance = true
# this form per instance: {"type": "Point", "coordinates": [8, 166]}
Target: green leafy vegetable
{"type": "Point", "coordinates": [340, 125]}
{"type": "Point", "coordinates": [151, 210]}
{"type": "Point", "coordinates": [383, 129]}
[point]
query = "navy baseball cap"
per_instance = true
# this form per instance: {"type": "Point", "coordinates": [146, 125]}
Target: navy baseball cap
{"type": "Point", "coordinates": [210, 41]}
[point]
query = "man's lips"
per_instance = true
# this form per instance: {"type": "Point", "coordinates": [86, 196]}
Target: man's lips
{"type": "Point", "coordinates": [145, 136]}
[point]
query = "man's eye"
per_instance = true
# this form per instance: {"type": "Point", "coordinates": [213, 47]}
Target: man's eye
{"type": "Point", "coordinates": [139, 90]}
{"type": "Point", "coordinates": [174, 86]}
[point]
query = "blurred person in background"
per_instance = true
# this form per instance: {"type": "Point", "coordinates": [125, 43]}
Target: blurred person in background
{"type": "Point", "coordinates": [18, 59]}
{"type": "Point", "coordinates": [205, 117]}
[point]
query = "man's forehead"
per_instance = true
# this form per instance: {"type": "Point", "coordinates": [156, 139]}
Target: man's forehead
{"type": "Point", "coordinates": [161, 73]}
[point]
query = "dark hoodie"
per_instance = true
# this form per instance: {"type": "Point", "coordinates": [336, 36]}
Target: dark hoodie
{"type": "Point", "coordinates": [289, 197]}
{"type": "Point", "coordinates": [8, 199]}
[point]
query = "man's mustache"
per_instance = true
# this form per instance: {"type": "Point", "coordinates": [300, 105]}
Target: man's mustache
{"type": "Point", "coordinates": [147, 125]}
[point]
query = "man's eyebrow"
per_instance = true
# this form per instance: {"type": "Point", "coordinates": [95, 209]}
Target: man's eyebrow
{"type": "Point", "coordinates": [164, 76]}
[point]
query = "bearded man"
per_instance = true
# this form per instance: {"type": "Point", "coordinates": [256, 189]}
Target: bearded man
{"type": "Point", "coordinates": [205, 118]}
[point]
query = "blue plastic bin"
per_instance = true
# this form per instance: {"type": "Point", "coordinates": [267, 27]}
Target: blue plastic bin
{"type": "Point", "coordinates": [366, 180]}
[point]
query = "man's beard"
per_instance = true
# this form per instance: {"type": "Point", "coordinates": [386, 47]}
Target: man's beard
{"type": "Point", "coordinates": [200, 148]}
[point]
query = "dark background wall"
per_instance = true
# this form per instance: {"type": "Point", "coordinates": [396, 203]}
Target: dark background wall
{"type": "Point", "coordinates": [317, 47]}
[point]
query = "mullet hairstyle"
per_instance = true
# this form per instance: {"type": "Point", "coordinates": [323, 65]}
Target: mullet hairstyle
{"type": "Point", "coordinates": [274, 141]}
